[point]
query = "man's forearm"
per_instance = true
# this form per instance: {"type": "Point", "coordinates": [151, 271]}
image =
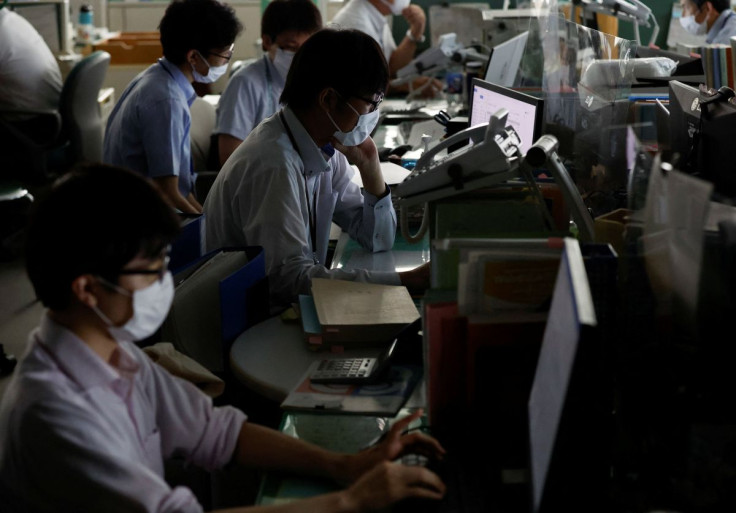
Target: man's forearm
{"type": "Point", "coordinates": [268, 449]}
{"type": "Point", "coordinates": [402, 56]}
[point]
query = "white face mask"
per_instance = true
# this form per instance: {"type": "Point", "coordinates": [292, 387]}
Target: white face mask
{"type": "Point", "coordinates": [693, 27]}
{"type": "Point", "coordinates": [364, 127]}
{"type": "Point", "coordinates": [397, 6]}
{"type": "Point", "coordinates": [150, 307]}
{"type": "Point", "coordinates": [282, 61]}
{"type": "Point", "coordinates": [213, 73]}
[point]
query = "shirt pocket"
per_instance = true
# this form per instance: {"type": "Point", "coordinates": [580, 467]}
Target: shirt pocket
{"type": "Point", "coordinates": [152, 451]}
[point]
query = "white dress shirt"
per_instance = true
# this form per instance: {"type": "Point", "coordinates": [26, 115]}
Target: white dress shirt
{"type": "Point", "coordinates": [78, 434]}
{"type": "Point", "coordinates": [361, 15]}
{"type": "Point", "coordinates": [29, 74]}
{"type": "Point", "coordinates": [264, 196]}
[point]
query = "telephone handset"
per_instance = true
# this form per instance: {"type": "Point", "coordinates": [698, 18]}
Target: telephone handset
{"type": "Point", "coordinates": [492, 156]}
{"type": "Point", "coordinates": [493, 146]}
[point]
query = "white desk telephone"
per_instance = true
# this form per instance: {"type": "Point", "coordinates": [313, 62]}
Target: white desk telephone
{"type": "Point", "coordinates": [492, 149]}
{"type": "Point", "coordinates": [492, 156]}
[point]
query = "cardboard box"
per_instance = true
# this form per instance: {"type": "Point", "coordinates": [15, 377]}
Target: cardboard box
{"type": "Point", "coordinates": [610, 228]}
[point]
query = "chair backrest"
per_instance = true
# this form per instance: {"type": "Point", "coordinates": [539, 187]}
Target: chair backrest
{"type": "Point", "coordinates": [203, 123]}
{"type": "Point", "coordinates": [80, 110]}
{"type": "Point", "coordinates": [216, 299]}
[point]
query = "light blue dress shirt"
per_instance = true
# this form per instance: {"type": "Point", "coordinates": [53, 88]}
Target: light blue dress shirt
{"type": "Point", "coordinates": [723, 28]}
{"type": "Point", "coordinates": [251, 95]}
{"type": "Point", "coordinates": [148, 130]}
{"type": "Point", "coordinates": [264, 196]}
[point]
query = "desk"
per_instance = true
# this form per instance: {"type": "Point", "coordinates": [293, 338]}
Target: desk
{"type": "Point", "coordinates": [272, 356]}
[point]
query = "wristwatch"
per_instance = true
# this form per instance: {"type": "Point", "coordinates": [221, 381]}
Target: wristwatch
{"type": "Point", "coordinates": [415, 40]}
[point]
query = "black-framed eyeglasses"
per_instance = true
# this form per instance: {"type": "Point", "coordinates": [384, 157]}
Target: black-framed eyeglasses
{"type": "Point", "coordinates": [160, 272]}
{"type": "Point", "coordinates": [374, 103]}
{"type": "Point", "coordinates": [227, 56]}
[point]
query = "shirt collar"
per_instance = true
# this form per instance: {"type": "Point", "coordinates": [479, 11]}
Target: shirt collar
{"type": "Point", "coordinates": [182, 81]}
{"type": "Point", "coordinates": [272, 73]}
{"type": "Point", "coordinates": [312, 156]}
{"type": "Point", "coordinates": [78, 361]}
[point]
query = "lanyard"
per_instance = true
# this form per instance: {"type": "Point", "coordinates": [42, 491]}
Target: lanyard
{"type": "Point", "coordinates": [312, 214]}
{"type": "Point", "coordinates": [271, 93]}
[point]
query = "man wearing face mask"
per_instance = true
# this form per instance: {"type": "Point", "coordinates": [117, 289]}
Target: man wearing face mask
{"type": "Point", "coordinates": [148, 130]}
{"type": "Point", "coordinates": [88, 420]}
{"type": "Point", "coordinates": [369, 16]}
{"type": "Point", "coordinates": [252, 93]}
{"type": "Point", "coordinates": [290, 179]}
{"type": "Point", "coordinates": [713, 19]}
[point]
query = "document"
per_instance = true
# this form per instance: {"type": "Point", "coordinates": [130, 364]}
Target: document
{"type": "Point", "coordinates": [385, 398]}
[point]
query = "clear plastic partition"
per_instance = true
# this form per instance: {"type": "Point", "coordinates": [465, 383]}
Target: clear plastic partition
{"type": "Point", "coordinates": [584, 77]}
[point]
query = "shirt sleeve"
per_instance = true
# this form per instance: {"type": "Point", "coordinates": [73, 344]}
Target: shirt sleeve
{"type": "Point", "coordinates": [368, 220]}
{"type": "Point", "coordinates": [190, 426]}
{"type": "Point", "coordinates": [164, 127]}
{"type": "Point", "coordinates": [74, 449]}
{"type": "Point", "coordinates": [237, 108]}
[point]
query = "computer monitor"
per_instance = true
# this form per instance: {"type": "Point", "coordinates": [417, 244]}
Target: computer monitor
{"type": "Point", "coordinates": [505, 61]}
{"type": "Point", "coordinates": [716, 151]}
{"type": "Point", "coordinates": [525, 111]}
{"type": "Point", "coordinates": [684, 107]}
{"type": "Point", "coordinates": [569, 459]}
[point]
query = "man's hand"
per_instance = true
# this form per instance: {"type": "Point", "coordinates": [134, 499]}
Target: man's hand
{"type": "Point", "coordinates": [416, 280]}
{"type": "Point", "coordinates": [415, 17]}
{"type": "Point", "coordinates": [430, 87]}
{"type": "Point", "coordinates": [394, 445]}
{"type": "Point", "coordinates": [365, 157]}
{"type": "Point", "coordinates": [387, 483]}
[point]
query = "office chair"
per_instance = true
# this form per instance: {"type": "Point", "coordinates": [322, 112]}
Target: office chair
{"type": "Point", "coordinates": [80, 111]}
{"type": "Point", "coordinates": [57, 138]}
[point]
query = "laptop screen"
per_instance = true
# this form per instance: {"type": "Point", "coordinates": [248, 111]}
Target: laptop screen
{"type": "Point", "coordinates": [525, 111]}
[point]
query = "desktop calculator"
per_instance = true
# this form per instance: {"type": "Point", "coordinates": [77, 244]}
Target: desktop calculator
{"type": "Point", "coordinates": [353, 371]}
{"type": "Point", "coordinates": [343, 370]}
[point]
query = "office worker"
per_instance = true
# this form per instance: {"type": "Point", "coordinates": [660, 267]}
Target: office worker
{"type": "Point", "coordinates": [369, 16]}
{"type": "Point", "coordinates": [148, 130]}
{"type": "Point", "coordinates": [30, 78]}
{"type": "Point", "coordinates": [88, 419]}
{"type": "Point", "coordinates": [290, 179]}
{"type": "Point", "coordinates": [252, 93]}
{"type": "Point", "coordinates": [712, 18]}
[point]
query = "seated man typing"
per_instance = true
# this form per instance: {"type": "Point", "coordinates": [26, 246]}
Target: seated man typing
{"type": "Point", "coordinates": [88, 419]}
{"type": "Point", "coordinates": [148, 130]}
{"type": "Point", "coordinates": [290, 179]}
{"type": "Point", "coordinates": [252, 93]}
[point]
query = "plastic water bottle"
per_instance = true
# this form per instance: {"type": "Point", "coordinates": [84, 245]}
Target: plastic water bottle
{"type": "Point", "coordinates": [85, 30]}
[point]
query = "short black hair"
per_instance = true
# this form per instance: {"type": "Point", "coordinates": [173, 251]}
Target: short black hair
{"type": "Point", "coordinates": [94, 220]}
{"type": "Point", "coordinates": [349, 61]}
{"type": "Point", "coordinates": [282, 15]}
{"type": "Point", "coordinates": [201, 25]}
{"type": "Point", "coordinates": [718, 5]}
